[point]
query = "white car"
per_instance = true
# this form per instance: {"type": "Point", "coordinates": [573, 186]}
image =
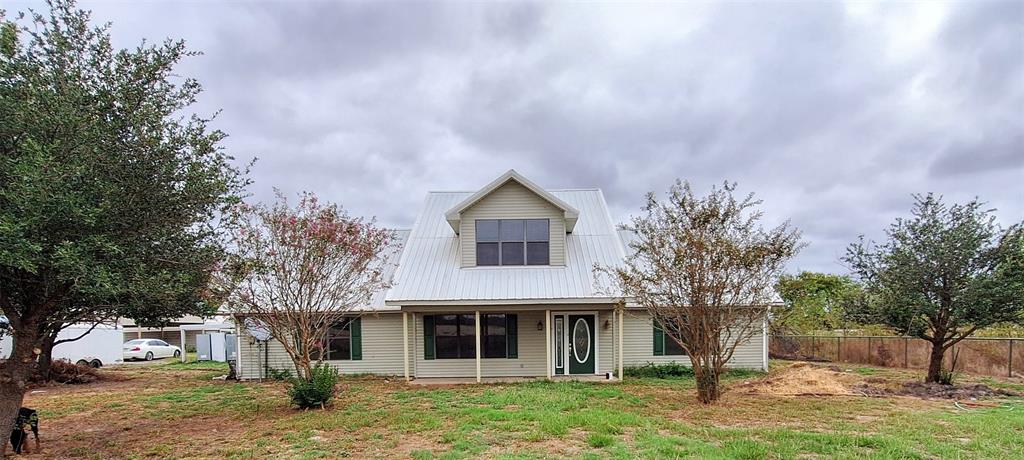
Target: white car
{"type": "Point", "coordinates": [149, 349]}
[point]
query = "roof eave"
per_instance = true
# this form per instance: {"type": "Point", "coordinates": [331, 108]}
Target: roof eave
{"type": "Point", "coordinates": [454, 215]}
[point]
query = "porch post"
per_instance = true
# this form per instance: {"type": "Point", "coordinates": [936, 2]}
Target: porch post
{"type": "Point", "coordinates": [182, 343]}
{"type": "Point", "coordinates": [405, 344]}
{"type": "Point", "coordinates": [478, 379]}
{"type": "Point", "coordinates": [622, 328]}
{"type": "Point", "coordinates": [547, 342]}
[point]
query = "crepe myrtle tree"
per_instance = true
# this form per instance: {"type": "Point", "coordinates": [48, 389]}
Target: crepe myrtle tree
{"type": "Point", "coordinates": [704, 269]}
{"type": "Point", "coordinates": [108, 185]}
{"type": "Point", "coordinates": [942, 274]}
{"type": "Point", "coordinates": [299, 270]}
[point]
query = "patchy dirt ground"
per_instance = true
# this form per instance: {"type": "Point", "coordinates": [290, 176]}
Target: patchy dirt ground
{"type": "Point", "coordinates": [814, 379]}
{"type": "Point", "coordinates": [936, 390]}
{"type": "Point", "coordinates": [798, 379]}
{"type": "Point", "coordinates": [175, 411]}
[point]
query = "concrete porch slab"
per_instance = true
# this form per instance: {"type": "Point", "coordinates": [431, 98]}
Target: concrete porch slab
{"type": "Point", "coordinates": [445, 381]}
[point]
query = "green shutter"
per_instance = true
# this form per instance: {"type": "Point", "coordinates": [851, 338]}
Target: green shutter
{"type": "Point", "coordinates": [659, 339]}
{"type": "Point", "coordinates": [428, 337]}
{"type": "Point", "coordinates": [512, 335]}
{"type": "Point", "coordinates": [357, 338]}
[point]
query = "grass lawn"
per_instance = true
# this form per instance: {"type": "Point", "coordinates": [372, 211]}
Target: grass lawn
{"type": "Point", "coordinates": [177, 410]}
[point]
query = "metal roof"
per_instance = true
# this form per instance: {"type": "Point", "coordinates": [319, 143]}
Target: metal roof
{"type": "Point", "coordinates": [394, 253]}
{"type": "Point", "coordinates": [429, 269]}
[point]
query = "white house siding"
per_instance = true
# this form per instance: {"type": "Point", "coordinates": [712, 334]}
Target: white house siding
{"type": "Point", "coordinates": [638, 346]}
{"type": "Point", "coordinates": [382, 350]}
{"type": "Point", "coordinates": [512, 201]}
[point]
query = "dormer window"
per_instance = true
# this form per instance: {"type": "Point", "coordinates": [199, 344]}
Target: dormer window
{"type": "Point", "coordinates": [512, 242]}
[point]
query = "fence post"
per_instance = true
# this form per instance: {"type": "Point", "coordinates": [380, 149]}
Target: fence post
{"type": "Point", "coordinates": [814, 348]}
{"type": "Point", "coordinates": [1010, 366]}
{"type": "Point", "coordinates": [839, 349]}
{"type": "Point", "coordinates": [906, 352]}
{"type": "Point", "coordinates": [869, 349]}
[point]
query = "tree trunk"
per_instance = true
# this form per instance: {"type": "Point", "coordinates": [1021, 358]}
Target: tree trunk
{"type": "Point", "coordinates": [14, 374]}
{"type": "Point", "coordinates": [935, 362]}
{"type": "Point", "coordinates": [708, 388]}
{"type": "Point", "coordinates": [46, 357]}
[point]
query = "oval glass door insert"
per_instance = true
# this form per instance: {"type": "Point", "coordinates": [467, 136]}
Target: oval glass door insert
{"type": "Point", "coordinates": [581, 340]}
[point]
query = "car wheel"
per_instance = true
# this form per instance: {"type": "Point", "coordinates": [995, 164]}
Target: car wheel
{"type": "Point", "coordinates": [177, 353]}
{"type": "Point", "coordinates": [149, 356]}
{"type": "Point", "coordinates": [82, 362]}
{"type": "Point", "coordinates": [96, 364]}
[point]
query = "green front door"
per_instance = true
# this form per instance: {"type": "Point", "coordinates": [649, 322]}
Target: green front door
{"type": "Point", "coordinates": [581, 344]}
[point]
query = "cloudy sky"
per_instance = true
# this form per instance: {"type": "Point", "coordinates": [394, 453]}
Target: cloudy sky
{"type": "Point", "coordinates": [833, 113]}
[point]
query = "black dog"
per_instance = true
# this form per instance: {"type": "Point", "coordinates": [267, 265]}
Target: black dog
{"type": "Point", "coordinates": [27, 420]}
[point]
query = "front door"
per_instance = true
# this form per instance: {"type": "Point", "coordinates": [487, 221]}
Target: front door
{"type": "Point", "coordinates": [581, 344]}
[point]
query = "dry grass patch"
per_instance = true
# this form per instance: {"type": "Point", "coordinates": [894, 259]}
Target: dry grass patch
{"type": "Point", "coordinates": [177, 411]}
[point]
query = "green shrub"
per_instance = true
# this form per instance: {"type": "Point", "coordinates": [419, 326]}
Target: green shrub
{"type": "Point", "coordinates": [659, 371]}
{"type": "Point", "coordinates": [318, 391]}
{"type": "Point", "coordinates": [946, 377]}
{"type": "Point", "coordinates": [280, 375]}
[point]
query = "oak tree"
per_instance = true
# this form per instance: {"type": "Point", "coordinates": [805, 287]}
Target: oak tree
{"type": "Point", "coordinates": [942, 274]}
{"type": "Point", "coordinates": [108, 186]}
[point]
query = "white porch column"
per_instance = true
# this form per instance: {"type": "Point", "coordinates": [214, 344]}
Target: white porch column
{"type": "Point", "coordinates": [547, 341]}
{"type": "Point", "coordinates": [622, 328]}
{"type": "Point", "coordinates": [182, 343]}
{"type": "Point", "coordinates": [405, 344]}
{"type": "Point", "coordinates": [478, 379]}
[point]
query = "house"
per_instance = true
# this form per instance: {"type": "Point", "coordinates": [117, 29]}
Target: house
{"type": "Point", "coordinates": [500, 283]}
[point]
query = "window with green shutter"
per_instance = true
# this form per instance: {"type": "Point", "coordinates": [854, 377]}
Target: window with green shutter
{"type": "Point", "coordinates": [345, 340]}
{"type": "Point", "coordinates": [665, 345]}
{"type": "Point", "coordinates": [357, 338]}
{"type": "Point", "coordinates": [453, 336]}
{"type": "Point", "coordinates": [659, 339]}
{"type": "Point", "coordinates": [512, 328]}
{"type": "Point", "coordinates": [428, 336]}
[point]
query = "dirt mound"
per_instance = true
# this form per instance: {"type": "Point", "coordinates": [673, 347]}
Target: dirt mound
{"type": "Point", "coordinates": [798, 379]}
{"type": "Point", "coordinates": [935, 390]}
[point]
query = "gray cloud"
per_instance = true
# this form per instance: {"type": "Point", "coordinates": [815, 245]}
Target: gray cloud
{"type": "Point", "coordinates": [833, 113]}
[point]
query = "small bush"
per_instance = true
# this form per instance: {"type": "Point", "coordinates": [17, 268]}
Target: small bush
{"type": "Point", "coordinates": [318, 391]}
{"type": "Point", "coordinates": [280, 375]}
{"type": "Point", "coordinates": [63, 371]}
{"type": "Point", "coordinates": [947, 377]}
{"type": "Point", "coordinates": [659, 371]}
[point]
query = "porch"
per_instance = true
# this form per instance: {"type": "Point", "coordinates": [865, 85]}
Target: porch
{"type": "Point", "coordinates": [456, 345]}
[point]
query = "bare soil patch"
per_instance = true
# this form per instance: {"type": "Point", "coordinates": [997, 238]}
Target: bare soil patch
{"type": "Point", "coordinates": [935, 390]}
{"type": "Point", "coordinates": [798, 379]}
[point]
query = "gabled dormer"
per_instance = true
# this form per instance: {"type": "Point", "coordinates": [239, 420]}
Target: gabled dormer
{"type": "Point", "coordinates": [512, 222]}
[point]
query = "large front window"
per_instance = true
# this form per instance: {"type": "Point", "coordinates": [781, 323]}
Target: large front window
{"type": "Point", "coordinates": [455, 336]}
{"type": "Point", "coordinates": [512, 242]}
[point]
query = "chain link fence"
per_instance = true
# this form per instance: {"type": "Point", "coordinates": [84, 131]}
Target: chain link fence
{"type": "Point", "coordinates": [982, 355]}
